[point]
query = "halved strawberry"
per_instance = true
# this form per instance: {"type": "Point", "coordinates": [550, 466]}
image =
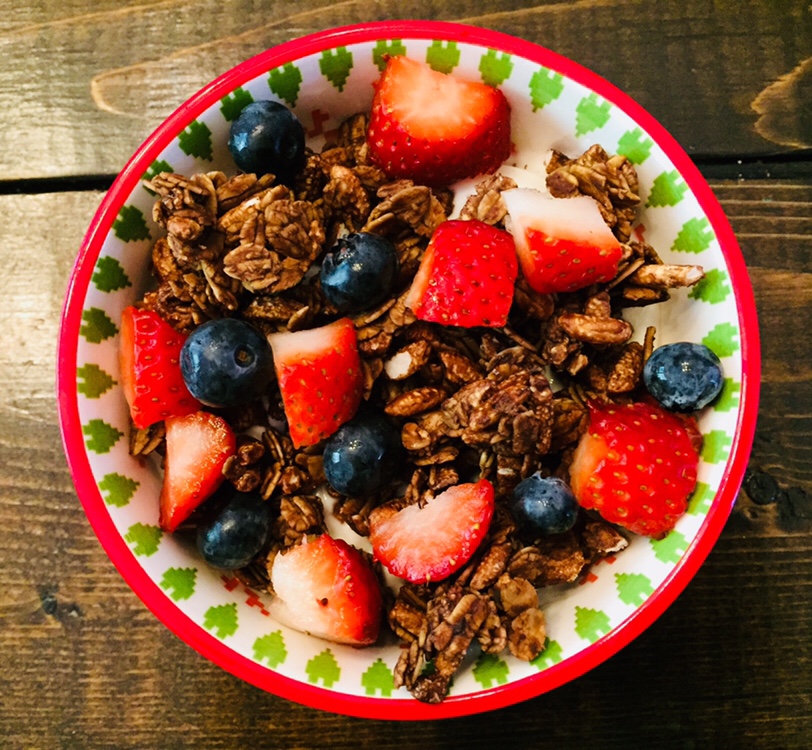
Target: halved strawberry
{"type": "Point", "coordinates": [435, 128]}
{"type": "Point", "coordinates": [327, 588]}
{"type": "Point", "coordinates": [466, 276]}
{"type": "Point", "coordinates": [197, 446]}
{"type": "Point", "coordinates": [423, 543]}
{"type": "Point", "coordinates": [636, 465]}
{"type": "Point", "coordinates": [149, 355]}
{"type": "Point", "coordinates": [563, 243]}
{"type": "Point", "coordinates": [320, 377]}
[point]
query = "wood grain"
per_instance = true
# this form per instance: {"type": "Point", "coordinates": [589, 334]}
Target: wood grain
{"type": "Point", "coordinates": [85, 665]}
{"type": "Point", "coordinates": [91, 80]}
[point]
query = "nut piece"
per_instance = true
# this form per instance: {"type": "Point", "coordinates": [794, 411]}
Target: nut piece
{"type": "Point", "coordinates": [527, 634]}
{"type": "Point", "coordinates": [415, 401]}
{"type": "Point", "coordinates": [592, 330]}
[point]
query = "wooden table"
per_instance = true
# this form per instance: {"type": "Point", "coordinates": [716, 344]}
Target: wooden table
{"type": "Point", "coordinates": [83, 664]}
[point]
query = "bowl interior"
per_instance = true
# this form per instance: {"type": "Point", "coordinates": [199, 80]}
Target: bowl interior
{"type": "Point", "coordinates": [323, 79]}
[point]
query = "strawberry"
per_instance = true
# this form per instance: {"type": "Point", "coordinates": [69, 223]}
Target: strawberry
{"type": "Point", "coordinates": [149, 355]}
{"type": "Point", "coordinates": [466, 276]}
{"type": "Point", "coordinates": [636, 465]}
{"type": "Point", "coordinates": [197, 447]}
{"type": "Point", "coordinates": [327, 588]}
{"type": "Point", "coordinates": [563, 243]}
{"type": "Point", "coordinates": [429, 542]}
{"type": "Point", "coordinates": [433, 128]}
{"type": "Point", "coordinates": [320, 377]}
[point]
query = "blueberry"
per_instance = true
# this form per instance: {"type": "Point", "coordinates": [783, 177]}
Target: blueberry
{"type": "Point", "coordinates": [544, 505]}
{"type": "Point", "coordinates": [226, 362]}
{"type": "Point", "coordinates": [683, 377]}
{"type": "Point", "coordinates": [236, 531]}
{"type": "Point", "coordinates": [267, 138]}
{"type": "Point", "coordinates": [359, 271]}
{"type": "Point", "coordinates": [362, 455]}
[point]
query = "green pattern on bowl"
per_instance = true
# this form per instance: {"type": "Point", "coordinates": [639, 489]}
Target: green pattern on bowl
{"type": "Point", "coordinates": [549, 110]}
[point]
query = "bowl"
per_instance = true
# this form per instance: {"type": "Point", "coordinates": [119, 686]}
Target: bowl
{"type": "Point", "coordinates": [324, 78]}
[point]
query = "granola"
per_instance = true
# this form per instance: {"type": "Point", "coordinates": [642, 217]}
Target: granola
{"type": "Point", "coordinates": [467, 402]}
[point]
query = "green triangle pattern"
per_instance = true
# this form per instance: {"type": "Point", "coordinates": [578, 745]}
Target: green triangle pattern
{"type": "Point", "coordinates": [668, 189]}
{"type": "Point", "coordinates": [552, 654]}
{"type": "Point", "coordinates": [713, 288]}
{"type": "Point", "coordinates": [323, 667]}
{"type": "Point", "coordinates": [130, 225]}
{"type": "Point", "coordinates": [495, 68]}
{"type": "Point", "coordinates": [545, 87]}
{"type": "Point", "coordinates": [591, 114]}
{"type": "Point", "coordinates": [378, 679]}
{"type": "Point", "coordinates": [591, 624]}
{"type": "Point", "coordinates": [285, 82]}
{"type": "Point", "coordinates": [695, 236]}
{"type": "Point", "coordinates": [196, 141]}
{"type": "Point", "coordinates": [635, 146]}
{"type": "Point", "coordinates": [729, 397]}
{"type": "Point", "coordinates": [101, 437]}
{"type": "Point", "coordinates": [670, 548]}
{"type": "Point", "coordinates": [383, 47]}
{"type": "Point", "coordinates": [144, 539]}
{"type": "Point", "coordinates": [221, 620]}
{"type": "Point", "coordinates": [117, 489]}
{"type": "Point", "coordinates": [96, 326]}
{"type": "Point", "coordinates": [92, 381]}
{"type": "Point", "coordinates": [700, 501]}
{"type": "Point", "coordinates": [490, 670]}
{"type": "Point", "coordinates": [158, 166]}
{"type": "Point", "coordinates": [721, 339]}
{"type": "Point", "coordinates": [234, 103]}
{"type": "Point", "coordinates": [633, 588]}
{"type": "Point", "coordinates": [109, 276]}
{"type": "Point", "coordinates": [716, 446]}
{"type": "Point", "coordinates": [179, 583]}
{"type": "Point", "coordinates": [335, 65]}
{"type": "Point", "coordinates": [443, 56]}
{"type": "Point", "coordinates": [270, 649]}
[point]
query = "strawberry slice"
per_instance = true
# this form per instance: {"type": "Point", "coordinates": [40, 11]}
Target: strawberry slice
{"type": "Point", "coordinates": [197, 446]}
{"type": "Point", "coordinates": [636, 465]}
{"type": "Point", "coordinates": [466, 276]}
{"type": "Point", "coordinates": [320, 377]}
{"type": "Point", "coordinates": [434, 128]}
{"type": "Point", "coordinates": [563, 243]}
{"type": "Point", "coordinates": [327, 588]}
{"type": "Point", "coordinates": [430, 542]}
{"type": "Point", "coordinates": [149, 356]}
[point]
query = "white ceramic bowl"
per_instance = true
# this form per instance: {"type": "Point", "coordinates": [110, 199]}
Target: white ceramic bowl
{"type": "Point", "coordinates": [324, 78]}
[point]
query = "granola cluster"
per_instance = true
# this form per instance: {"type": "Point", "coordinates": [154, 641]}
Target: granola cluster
{"type": "Point", "coordinates": [469, 403]}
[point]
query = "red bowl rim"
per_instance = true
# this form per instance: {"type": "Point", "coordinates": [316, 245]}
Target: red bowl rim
{"type": "Point", "coordinates": [370, 707]}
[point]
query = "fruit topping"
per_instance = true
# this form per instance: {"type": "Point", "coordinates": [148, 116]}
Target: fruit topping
{"type": "Point", "coordinates": [363, 455]}
{"type": "Point", "coordinates": [466, 276]}
{"type": "Point", "coordinates": [151, 378]}
{"type": "Point", "coordinates": [226, 362]}
{"type": "Point", "coordinates": [327, 588]}
{"type": "Point", "coordinates": [320, 378]}
{"type": "Point", "coordinates": [358, 272]}
{"type": "Point", "coordinates": [434, 128]}
{"type": "Point", "coordinates": [197, 447]}
{"type": "Point", "coordinates": [684, 376]}
{"type": "Point", "coordinates": [544, 505]}
{"type": "Point", "coordinates": [563, 243]}
{"type": "Point", "coordinates": [636, 465]}
{"type": "Point", "coordinates": [267, 138]}
{"type": "Point", "coordinates": [235, 531]}
{"type": "Point", "coordinates": [428, 542]}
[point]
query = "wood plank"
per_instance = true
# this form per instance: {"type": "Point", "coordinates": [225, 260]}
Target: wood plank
{"type": "Point", "coordinates": [727, 665]}
{"type": "Point", "coordinates": [88, 81]}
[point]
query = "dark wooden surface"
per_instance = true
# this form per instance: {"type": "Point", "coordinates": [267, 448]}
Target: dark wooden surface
{"type": "Point", "coordinates": [83, 664]}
